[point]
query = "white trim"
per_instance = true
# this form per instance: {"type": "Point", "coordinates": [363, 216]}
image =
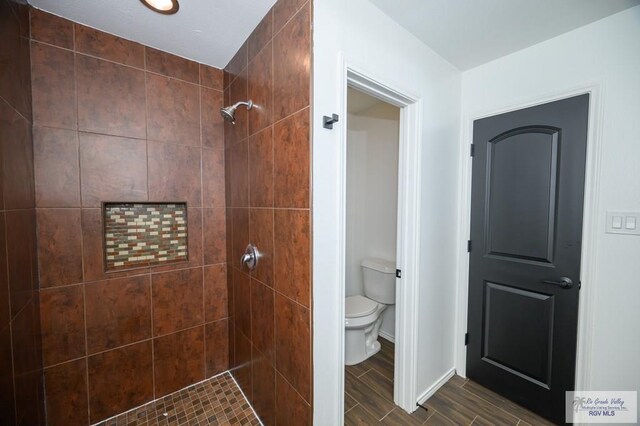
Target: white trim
{"type": "Point", "coordinates": [408, 256]}
{"type": "Point", "coordinates": [408, 243]}
{"type": "Point", "coordinates": [590, 225]}
{"type": "Point", "coordinates": [437, 385]}
{"type": "Point", "coordinates": [408, 250]}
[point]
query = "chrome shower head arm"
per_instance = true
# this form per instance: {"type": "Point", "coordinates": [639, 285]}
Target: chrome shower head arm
{"type": "Point", "coordinates": [229, 112]}
{"type": "Point", "coordinates": [248, 104]}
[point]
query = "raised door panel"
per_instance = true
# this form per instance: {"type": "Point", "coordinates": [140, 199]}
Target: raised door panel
{"type": "Point", "coordinates": [517, 334]}
{"type": "Point", "coordinates": [521, 194]}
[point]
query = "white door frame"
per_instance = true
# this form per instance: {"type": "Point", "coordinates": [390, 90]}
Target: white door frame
{"type": "Point", "coordinates": [408, 247]}
{"type": "Point", "coordinates": [591, 226]}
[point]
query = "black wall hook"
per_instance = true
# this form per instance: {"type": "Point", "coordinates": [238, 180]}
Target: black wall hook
{"type": "Point", "coordinates": [327, 122]}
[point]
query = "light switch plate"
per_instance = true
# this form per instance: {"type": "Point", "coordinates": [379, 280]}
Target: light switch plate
{"type": "Point", "coordinates": [623, 223]}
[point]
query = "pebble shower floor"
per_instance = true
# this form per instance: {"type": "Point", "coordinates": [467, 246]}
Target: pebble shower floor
{"type": "Point", "coordinates": [216, 401]}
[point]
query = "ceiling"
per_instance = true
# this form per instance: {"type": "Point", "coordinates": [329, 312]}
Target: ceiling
{"type": "Point", "coordinates": [362, 104]}
{"type": "Point", "coordinates": [468, 33]}
{"type": "Point", "coordinates": [358, 101]}
{"type": "Point", "coordinates": [207, 31]}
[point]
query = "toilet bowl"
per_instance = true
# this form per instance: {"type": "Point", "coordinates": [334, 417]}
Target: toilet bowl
{"type": "Point", "coordinates": [363, 314]}
{"type": "Point", "coordinates": [362, 324]}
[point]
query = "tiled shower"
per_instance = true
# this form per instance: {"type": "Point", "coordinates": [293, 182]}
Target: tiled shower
{"type": "Point", "coordinates": [267, 164]}
{"type": "Point", "coordinates": [115, 121]}
{"type": "Point", "coordinates": [89, 118]}
{"type": "Point", "coordinates": [21, 384]}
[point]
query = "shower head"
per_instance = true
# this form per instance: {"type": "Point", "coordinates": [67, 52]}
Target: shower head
{"type": "Point", "coordinates": [229, 112]}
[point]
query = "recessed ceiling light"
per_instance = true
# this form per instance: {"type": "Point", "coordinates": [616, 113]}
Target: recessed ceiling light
{"type": "Point", "coordinates": [167, 7]}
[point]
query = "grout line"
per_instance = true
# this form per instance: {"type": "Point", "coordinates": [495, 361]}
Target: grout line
{"type": "Point", "coordinates": [130, 273]}
{"type": "Point", "coordinates": [383, 417]}
{"type": "Point", "coordinates": [204, 324]}
{"type": "Point", "coordinates": [134, 343]}
{"type": "Point", "coordinates": [105, 421]}
{"type": "Point", "coordinates": [365, 372]}
{"type": "Point", "coordinates": [47, 367]}
{"type": "Point", "coordinates": [509, 413]}
{"type": "Point", "coordinates": [13, 366]}
{"type": "Point", "coordinates": [80, 199]}
{"type": "Point", "coordinates": [299, 209]}
{"type": "Point", "coordinates": [270, 12]}
{"type": "Point", "coordinates": [373, 415]}
{"type": "Point", "coordinates": [153, 351]}
{"type": "Point", "coordinates": [14, 110]}
{"type": "Point", "coordinates": [434, 411]}
{"type": "Point", "coordinates": [293, 387]}
{"type": "Point", "coordinates": [245, 398]}
{"type": "Point", "coordinates": [86, 349]}
{"type": "Point", "coordinates": [357, 403]}
{"type": "Point", "coordinates": [430, 414]}
{"type": "Point", "coordinates": [135, 138]}
{"type": "Point", "coordinates": [290, 19]}
{"type": "Point", "coordinates": [274, 122]}
{"type": "Point", "coordinates": [201, 261]}
{"type": "Point", "coordinates": [278, 292]}
{"type": "Point", "coordinates": [28, 209]}
{"type": "Point", "coordinates": [75, 83]}
{"type": "Point", "coordinates": [273, 36]}
{"type": "Point", "coordinates": [74, 26]}
{"type": "Point", "coordinates": [12, 317]}
{"type": "Point", "coordinates": [131, 66]}
{"type": "Point", "coordinates": [146, 118]}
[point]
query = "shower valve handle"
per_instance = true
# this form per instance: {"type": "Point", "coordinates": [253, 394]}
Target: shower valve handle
{"type": "Point", "coordinates": [250, 257]}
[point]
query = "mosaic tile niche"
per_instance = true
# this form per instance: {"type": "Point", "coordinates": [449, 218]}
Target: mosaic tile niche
{"type": "Point", "coordinates": [144, 234]}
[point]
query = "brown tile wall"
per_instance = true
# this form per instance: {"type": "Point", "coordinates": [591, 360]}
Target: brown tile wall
{"type": "Point", "coordinates": [21, 379]}
{"type": "Point", "coordinates": [268, 166]}
{"type": "Point", "coordinates": [117, 121]}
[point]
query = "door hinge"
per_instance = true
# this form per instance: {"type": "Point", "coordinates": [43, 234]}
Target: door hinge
{"type": "Point", "coordinates": [468, 246]}
{"type": "Point", "coordinates": [466, 339]}
{"type": "Point", "coordinates": [398, 273]}
{"type": "Point", "coordinates": [472, 150]}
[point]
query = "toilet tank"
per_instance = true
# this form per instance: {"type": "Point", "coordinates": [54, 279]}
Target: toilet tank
{"type": "Point", "coordinates": [379, 278]}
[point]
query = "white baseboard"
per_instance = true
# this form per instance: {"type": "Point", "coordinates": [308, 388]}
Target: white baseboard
{"type": "Point", "coordinates": [437, 385]}
{"type": "Point", "coordinates": [387, 336]}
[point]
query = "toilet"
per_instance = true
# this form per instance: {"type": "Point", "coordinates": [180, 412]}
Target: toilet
{"type": "Point", "coordinates": [363, 314]}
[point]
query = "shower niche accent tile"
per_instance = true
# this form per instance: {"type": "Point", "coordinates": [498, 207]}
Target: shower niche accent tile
{"type": "Point", "coordinates": [139, 234]}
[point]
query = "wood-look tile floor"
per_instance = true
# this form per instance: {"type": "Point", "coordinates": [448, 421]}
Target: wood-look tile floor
{"type": "Point", "coordinates": [216, 401]}
{"type": "Point", "coordinates": [368, 400]}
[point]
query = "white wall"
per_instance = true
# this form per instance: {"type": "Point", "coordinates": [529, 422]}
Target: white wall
{"type": "Point", "coordinates": [355, 227]}
{"type": "Point", "coordinates": [607, 54]}
{"type": "Point", "coordinates": [372, 199]}
{"type": "Point", "coordinates": [379, 47]}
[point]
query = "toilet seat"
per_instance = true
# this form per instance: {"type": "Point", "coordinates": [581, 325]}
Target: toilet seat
{"type": "Point", "coordinates": [361, 312]}
{"type": "Point", "coordinates": [359, 306]}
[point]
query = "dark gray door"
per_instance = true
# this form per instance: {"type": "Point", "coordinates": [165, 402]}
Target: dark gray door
{"type": "Point", "coordinates": [524, 273]}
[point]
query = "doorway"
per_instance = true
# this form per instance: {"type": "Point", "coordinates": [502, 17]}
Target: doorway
{"type": "Point", "coordinates": [372, 191]}
{"type": "Point", "coordinates": [329, 331]}
{"type": "Point", "coordinates": [372, 150]}
{"type": "Point", "coordinates": [525, 249]}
